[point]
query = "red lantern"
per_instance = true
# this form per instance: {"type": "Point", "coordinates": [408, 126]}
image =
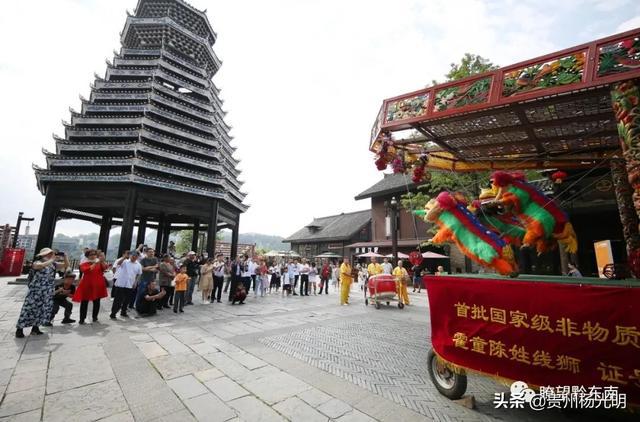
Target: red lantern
{"type": "Point", "coordinates": [559, 176]}
{"type": "Point", "coordinates": [415, 258]}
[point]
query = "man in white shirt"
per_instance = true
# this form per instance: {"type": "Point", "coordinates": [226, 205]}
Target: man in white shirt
{"type": "Point", "coordinates": [218, 277]}
{"type": "Point", "coordinates": [252, 271]}
{"type": "Point", "coordinates": [297, 266]}
{"type": "Point", "coordinates": [128, 272]}
{"type": "Point", "coordinates": [304, 277]}
{"type": "Point", "coordinates": [387, 268]}
{"type": "Point", "coordinates": [117, 270]}
{"type": "Point", "coordinates": [246, 272]}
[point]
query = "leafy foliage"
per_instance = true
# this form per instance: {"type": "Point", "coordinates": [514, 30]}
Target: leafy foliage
{"type": "Point", "coordinates": [183, 244]}
{"type": "Point", "coordinates": [470, 64]}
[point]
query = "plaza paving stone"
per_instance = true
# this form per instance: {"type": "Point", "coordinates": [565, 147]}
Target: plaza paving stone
{"type": "Point", "coordinates": [272, 359]}
{"type": "Point", "coordinates": [295, 410]}
{"type": "Point", "coordinates": [90, 402]}
{"type": "Point", "coordinates": [334, 408]}
{"type": "Point", "coordinates": [187, 387]}
{"type": "Point", "coordinates": [208, 407]}
{"type": "Point", "coordinates": [251, 409]}
{"type": "Point", "coordinates": [226, 389]}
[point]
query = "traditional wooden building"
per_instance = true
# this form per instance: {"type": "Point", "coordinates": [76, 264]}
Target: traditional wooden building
{"type": "Point", "coordinates": [149, 147]}
{"type": "Point", "coordinates": [332, 234]}
{"type": "Point", "coordinates": [412, 230]}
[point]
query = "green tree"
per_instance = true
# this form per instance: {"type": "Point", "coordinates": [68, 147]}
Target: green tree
{"type": "Point", "coordinates": [183, 244]}
{"type": "Point", "coordinates": [185, 238]}
{"type": "Point", "coordinates": [261, 250]}
{"type": "Point", "coordinates": [470, 64]}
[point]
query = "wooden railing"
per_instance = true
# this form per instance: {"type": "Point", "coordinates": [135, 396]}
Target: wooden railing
{"type": "Point", "coordinates": [598, 63]}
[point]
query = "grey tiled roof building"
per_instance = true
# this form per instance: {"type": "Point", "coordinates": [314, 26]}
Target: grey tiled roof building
{"type": "Point", "coordinates": [389, 184]}
{"type": "Point", "coordinates": [333, 227]}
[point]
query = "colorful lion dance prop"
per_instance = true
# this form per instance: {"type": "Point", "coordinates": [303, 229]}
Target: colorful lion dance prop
{"type": "Point", "coordinates": [493, 216]}
{"type": "Point", "coordinates": [541, 218]}
{"type": "Point", "coordinates": [459, 226]}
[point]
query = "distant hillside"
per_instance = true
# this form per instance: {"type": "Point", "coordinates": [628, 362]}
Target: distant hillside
{"type": "Point", "coordinates": [264, 241]}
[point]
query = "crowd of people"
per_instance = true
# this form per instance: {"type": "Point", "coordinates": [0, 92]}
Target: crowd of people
{"type": "Point", "coordinates": [141, 281]}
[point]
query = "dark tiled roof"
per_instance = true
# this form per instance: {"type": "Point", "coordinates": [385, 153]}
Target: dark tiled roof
{"type": "Point", "coordinates": [335, 227]}
{"type": "Point", "coordinates": [391, 183]}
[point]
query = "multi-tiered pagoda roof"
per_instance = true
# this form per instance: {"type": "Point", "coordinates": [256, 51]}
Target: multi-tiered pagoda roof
{"type": "Point", "coordinates": [155, 118]}
{"type": "Point", "coordinates": [149, 147]}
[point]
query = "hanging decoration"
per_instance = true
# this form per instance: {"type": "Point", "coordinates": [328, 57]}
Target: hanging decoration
{"type": "Point", "coordinates": [419, 168]}
{"type": "Point", "coordinates": [386, 154]}
{"type": "Point", "coordinates": [398, 163]}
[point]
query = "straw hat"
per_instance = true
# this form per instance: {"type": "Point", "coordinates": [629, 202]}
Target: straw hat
{"type": "Point", "coordinates": [45, 251]}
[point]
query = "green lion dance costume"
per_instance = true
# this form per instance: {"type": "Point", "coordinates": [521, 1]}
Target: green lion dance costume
{"type": "Point", "coordinates": [542, 219]}
{"type": "Point", "coordinates": [513, 212]}
{"type": "Point", "coordinates": [458, 225]}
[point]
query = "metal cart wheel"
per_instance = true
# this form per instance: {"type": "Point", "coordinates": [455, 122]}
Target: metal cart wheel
{"type": "Point", "coordinates": [366, 302]}
{"type": "Point", "coordinates": [377, 305]}
{"type": "Point", "coordinates": [388, 303]}
{"type": "Point", "coordinates": [446, 381]}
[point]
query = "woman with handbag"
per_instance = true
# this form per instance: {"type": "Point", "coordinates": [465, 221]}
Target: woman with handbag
{"type": "Point", "coordinates": [92, 286]}
{"type": "Point", "coordinates": [38, 305]}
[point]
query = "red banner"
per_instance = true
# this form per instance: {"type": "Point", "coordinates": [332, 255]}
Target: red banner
{"type": "Point", "coordinates": [542, 333]}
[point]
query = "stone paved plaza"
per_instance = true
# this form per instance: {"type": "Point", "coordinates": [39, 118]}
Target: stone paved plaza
{"type": "Point", "coordinates": [272, 359]}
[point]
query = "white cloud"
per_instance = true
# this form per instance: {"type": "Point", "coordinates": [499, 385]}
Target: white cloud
{"type": "Point", "coordinates": [629, 24]}
{"type": "Point", "coordinates": [302, 81]}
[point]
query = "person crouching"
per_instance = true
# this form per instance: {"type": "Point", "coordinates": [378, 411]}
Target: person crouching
{"type": "Point", "coordinates": [62, 292]}
{"type": "Point", "coordinates": [148, 304]}
{"type": "Point", "coordinates": [240, 294]}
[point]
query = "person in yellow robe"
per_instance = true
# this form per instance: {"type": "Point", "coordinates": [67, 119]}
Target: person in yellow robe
{"type": "Point", "coordinates": [346, 278]}
{"type": "Point", "coordinates": [374, 268]}
{"type": "Point", "coordinates": [401, 275]}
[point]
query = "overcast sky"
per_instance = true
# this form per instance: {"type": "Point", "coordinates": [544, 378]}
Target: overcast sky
{"type": "Point", "coordinates": [301, 80]}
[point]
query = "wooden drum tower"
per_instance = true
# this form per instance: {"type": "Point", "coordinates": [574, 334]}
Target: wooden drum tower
{"type": "Point", "coordinates": [149, 148]}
